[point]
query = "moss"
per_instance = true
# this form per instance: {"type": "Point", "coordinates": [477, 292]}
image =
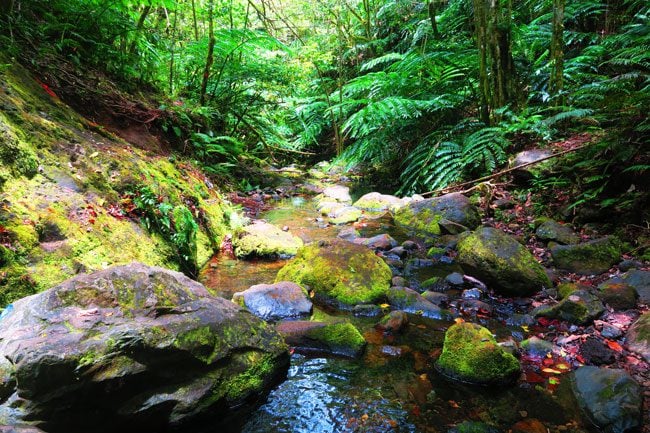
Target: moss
{"type": "Point", "coordinates": [265, 240]}
{"type": "Point", "coordinates": [500, 260]}
{"type": "Point", "coordinates": [565, 289]}
{"type": "Point", "coordinates": [580, 307]}
{"type": "Point", "coordinates": [421, 223]}
{"type": "Point", "coordinates": [15, 283]}
{"type": "Point", "coordinates": [471, 354]}
{"type": "Point", "coordinates": [254, 379]}
{"type": "Point", "coordinates": [340, 273]}
{"type": "Point", "coordinates": [339, 338]}
{"type": "Point", "coordinates": [593, 257]}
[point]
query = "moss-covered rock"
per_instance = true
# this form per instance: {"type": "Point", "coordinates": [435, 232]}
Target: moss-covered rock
{"type": "Point", "coordinates": [580, 307]}
{"type": "Point", "coordinates": [471, 354]}
{"type": "Point", "coordinates": [640, 281]}
{"type": "Point", "coordinates": [617, 294]}
{"type": "Point", "coordinates": [265, 239]}
{"type": "Point", "coordinates": [79, 339]}
{"type": "Point", "coordinates": [374, 201]}
{"type": "Point", "coordinates": [499, 260]}
{"type": "Point", "coordinates": [565, 289]}
{"type": "Point", "coordinates": [340, 273]}
{"type": "Point", "coordinates": [341, 339]}
{"type": "Point", "coordinates": [638, 336]}
{"type": "Point", "coordinates": [344, 215]}
{"type": "Point", "coordinates": [593, 257]}
{"type": "Point", "coordinates": [423, 218]}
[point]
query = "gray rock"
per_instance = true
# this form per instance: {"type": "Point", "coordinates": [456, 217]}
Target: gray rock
{"type": "Point", "coordinates": [640, 280]}
{"type": "Point", "coordinates": [395, 321]}
{"type": "Point", "coordinates": [617, 294]}
{"type": "Point", "coordinates": [378, 242]}
{"type": "Point", "coordinates": [277, 301]}
{"type": "Point", "coordinates": [455, 279]}
{"type": "Point", "coordinates": [102, 351]}
{"type": "Point", "coordinates": [344, 215]}
{"type": "Point", "coordinates": [529, 156]}
{"type": "Point", "coordinates": [500, 261]}
{"type": "Point", "coordinates": [338, 193]}
{"type": "Point", "coordinates": [409, 245]}
{"type": "Point", "coordinates": [265, 239]}
{"type": "Point", "coordinates": [638, 337]}
{"type": "Point", "coordinates": [340, 339]}
{"type": "Point", "coordinates": [412, 302]}
{"type": "Point", "coordinates": [424, 217]}
{"type": "Point", "coordinates": [580, 307]}
{"type": "Point", "coordinates": [374, 201]}
{"type": "Point", "coordinates": [19, 429]}
{"type": "Point", "coordinates": [536, 347]}
{"type": "Point", "coordinates": [609, 398]}
{"type": "Point", "coordinates": [349, 234]}
{"type": "Point", "coordinates": [553, 231]}
{"type": "Point", "coordinates": [436, 298]}
{"type": "Point", "coordinates": [587, 258]}
{"type": "Point", "coordinates": [627, 265]}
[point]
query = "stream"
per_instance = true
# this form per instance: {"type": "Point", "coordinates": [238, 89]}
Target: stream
{"type": "Point", "coordinates": [394, 386]}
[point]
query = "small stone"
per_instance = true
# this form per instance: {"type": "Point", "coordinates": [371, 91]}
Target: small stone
{"type": "Point", "coordinates": [393, 322]}
{"type": "Point", "coordinates": [471, 294]}
{"type": "Point", "coordinates": [455, 279]}
{"type": "Point", "coordinates": [399, 282]}
{"type": "Point", "coordinates": [410, 245]}
{"type": "Point", "coordinates": [595, 352]}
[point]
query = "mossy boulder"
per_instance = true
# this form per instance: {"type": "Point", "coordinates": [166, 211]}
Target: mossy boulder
{"type": "Point", "coordinates": [101, 352]}
{"type": "Point", "coordinates": [341, 274]}
{"type": "Point", "coordinates": [410, 301]}
{"type": "Point", "coordinates": [471, 354]}
{"type": "Point", "coordinates": [554, 231]}
{"type": "Point", "coordinates": [374, 201]}
{"type": "Point", "coordinates": [638, 336]}
{"type": "Point", "coordinates": [263, 239]}
{"type": "Point", "coordinates": [593, 257]}
{"type": "Point", "coordinates": [610, 398]}
{"type": "Point", "coordinates": [640, 281]}
{"type": "Point", "coordinates": [580, 307]}
{"type": "Point", "coordinates": [427, 217]}
{"type": "Point", "coordinates": [340, 339]}
{"type": "Point", "coordinates": [617, 294]}
{"type": "Point", "coordinates": [344, 215]}
{"type": "Point", "coordinates": [500, 261]}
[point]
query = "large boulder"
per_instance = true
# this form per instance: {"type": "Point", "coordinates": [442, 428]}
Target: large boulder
{"type": "Point", "coordinates": [617, 294]}
{"type": "Point", "coordinates": [135, 346]}
{"type": "Point", "coordinates": [471, 354]}
{"type": "Point", "coordinates": [609, 398]}
{"type": "Point", "coordinates": [340, 273]}
{"type": "Point", "coordinates": [281, 300]}
{"type": "Point", "coordinates": [638, 336]}
{"type": "Point", "coordinates": [374, 201]}
{"type": "Point", "coordinates": [554, 231]}
{"type": "Point", "coordinates": [499, 260]}
{"type": "Point", "coordinates": [428, 217]}
{"type": "Point", "coordinates": [593, 257]}
{"type": "Point", "coordinates": [265, 239]}
{"type": "Point", "coordinates": [640, 281]}
{"type": "Point", "coordinates": [340, 339]}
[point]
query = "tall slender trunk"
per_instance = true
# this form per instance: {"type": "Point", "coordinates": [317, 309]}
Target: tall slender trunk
{"type": "Point", "coordinates": [210, 56]}
{"type": "Point", "coordinates": [480, 23]}
{"type": "Point", "coordinates": [196, 26]}
{"type": "Point", "coordinates": [138, 28]}
{"type": "Point", "coordinates": [556, 83]}
{"type": "Point", "coordinates": [433, 11]}
{"type": "Point", "coordinates": [171, 54]}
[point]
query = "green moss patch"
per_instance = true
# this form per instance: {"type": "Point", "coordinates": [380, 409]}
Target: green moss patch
{"type": "Point", "coordinates": [341, 339]}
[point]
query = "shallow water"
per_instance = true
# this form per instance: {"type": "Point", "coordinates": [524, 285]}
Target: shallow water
{"type": "Point", "coordinates": [394, 387]}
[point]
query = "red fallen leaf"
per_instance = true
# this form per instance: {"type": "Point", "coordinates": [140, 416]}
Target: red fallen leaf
{"type": "Point", "coordinates": [91, 220]}
{"type": "Point", "coordinates": [532, 377]}
{"type": "Point", "coordinates": [614, 346]}
{"type": "Point", "coordinates": [416, 411]}
{"type": "Point", "coordinates": [580, 359]}
{"type": "Point", "coordinates": [547, 362]}
{"type": "Point", "coordinates": [453, 404]}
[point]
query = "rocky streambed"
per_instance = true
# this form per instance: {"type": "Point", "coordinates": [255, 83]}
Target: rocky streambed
{"type": "Point", "coordinates": [375, 314]}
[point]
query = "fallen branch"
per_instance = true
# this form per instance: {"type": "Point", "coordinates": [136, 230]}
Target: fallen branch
{"type": "Point", "coordinates": [502, 172]}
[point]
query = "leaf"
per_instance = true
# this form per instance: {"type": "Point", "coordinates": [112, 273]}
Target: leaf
{"type": "Point", "coordinates": [614, 346]}
{"type": "Point", "coordinates": [551, 371]}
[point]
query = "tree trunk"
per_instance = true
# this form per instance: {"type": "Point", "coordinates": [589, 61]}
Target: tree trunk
{"type": "Point", "coordinates": [196, 26]}
{"type": "Point", "coordinates": [171, 54]}
{"type": "Point", "coordinates": [433, 10]}
{"type": "Point", "coordinates": [480, 23]}
{"type": "Point", "coordinates": [556, 83]}
{"type": "Point", "coordinates": [210, 56]}
{"type": "Point", "coordinates": [138, 28]}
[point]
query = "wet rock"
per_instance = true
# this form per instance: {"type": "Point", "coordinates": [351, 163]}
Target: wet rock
{"type": "Point", "coordinates": [344, 215]}
{"type": "Point", "coordinates": [471, 294]}
{"type": "Point", "coordinates": [341, 339]}
{"type": "Point", "coordinates": [587, 258]}
{"type": "Point", "coordinates": [617, 294]}
{"type": "Point", "coordinates": [398, 251]}
{"type": "Point", "coordinates": [101, 351]}
{"type": "Point", "coordinates": [349, 234]}
{"type": "Point", "coordinates": [338, 193]}
{"type": "Point", "coordinates": [410, 245]}
{"type": "Point", "coordinates": [393, 351]}
{"type": "Point", "coordinates": [553, 231]}
{"type": "Point", "coordinates": [340, 273]}
{"type": "Point", "coordinates": [471, 354]}
{"type": "Point", "coordinates": [536, 347]}
{"type": "Point", "coordinates": [374, 201]}
{"type": "Point", "coordinates": [607, 330]}
{"type": "Point", "coordinates": [609, 398]}
{"type": "Point", "coordinates": [275, 301]}
{"type": "Point", "coordinates": [520, 320]}
{"type": "Point", "coordinates": [436, 298]}
{"type": "Point", "coordinates": [595, 352]}
{"type": "Point", "coordinates": [393, 322]}
{"type": "Point", "coordinates": [19, 429]}
{"type": "Point", "coordinates": [379, 242]}
{"type": "Point", "coordinates": [581, 307]}
{"type": "Point", "coordinates": [412, 302]}
{"type": "Point", "coordinates": [455, 279]}
{"type": "Point", "coordinates": [399, 281]}
{"type": "Point", "coordinates": [265, 239]}
{"type": "Point", "coordinates": [628, 265]}
{"type": "Point", "coordinates": [638, 337]}
{"type": "Point", "coordinates": [424, 217]}
{"type": "Point", "coordinates": [367, 310]}
{"type": "Point", "coordinates": [474, 306]}
{"type": "Point", "coordinates": [640, 280]}
{"type": "Point", "coordinates": [500, 261]}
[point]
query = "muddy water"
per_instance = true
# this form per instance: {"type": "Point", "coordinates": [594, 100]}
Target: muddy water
{"type": "Point", "coordinates": [394, 387]}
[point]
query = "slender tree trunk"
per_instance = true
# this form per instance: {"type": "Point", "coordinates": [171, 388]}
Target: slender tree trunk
{"type": "Point", "coordinates": [433, 10]}
{"type": "Point", "coordinates": [480, 23]}
{"type": "Point", "coordinates": [556, 84]}
{"type": "Point", "coordinates": [171, 54]}
{"type": "Point", "coordinates": [210, 56]}
{"type": "Point", "coordinates": [194, 22]}
{"type": "Point", "coordinates": [138, 28]}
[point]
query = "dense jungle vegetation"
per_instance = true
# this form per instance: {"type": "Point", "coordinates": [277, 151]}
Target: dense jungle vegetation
{"type": "Point", "coordinates": [428, 93]}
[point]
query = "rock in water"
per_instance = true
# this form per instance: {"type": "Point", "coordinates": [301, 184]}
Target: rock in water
{"type": "Point", "coordinates": [580, 307]}
{"type": "Point", "coordinates": [135, 346]}
{"type": "Point", "coordinates": [638, 336]}
{"type": "Point", "coordinates": [275, 301]}
{"type": "Point", "coordinates": [593, 257]}
{"type": "Point", "coordinates": [340, 273]}
{"type": "Point", "coordinates": [427, 217]}
{"type": "Point", "coordinates": [340, 339]}
{"type": "Point", "coordinates": [374, 201]}
{"type": "Point", "coordinates": [610, 398]}
{"type": "Point", "coordinates": [503, 263]}
{"type": "Point", "coordinates": [471, 354]}
{"type": "Point", "coordinates": [264, 239]}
